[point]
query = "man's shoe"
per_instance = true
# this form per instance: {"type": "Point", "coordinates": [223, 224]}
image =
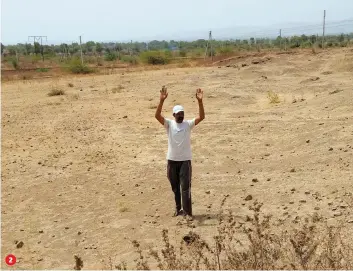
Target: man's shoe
{"type": "Point", "coordinates": [178, 212]}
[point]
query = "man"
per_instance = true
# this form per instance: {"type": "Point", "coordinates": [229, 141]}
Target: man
{"type": "Point", "coordinates": [179, 156]}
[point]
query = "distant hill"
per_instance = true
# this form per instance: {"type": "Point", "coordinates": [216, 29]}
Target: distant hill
{"type": "Point", "coordinates": [272, 31]}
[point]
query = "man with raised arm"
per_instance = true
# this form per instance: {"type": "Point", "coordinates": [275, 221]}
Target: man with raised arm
{"type": "Point", "coordinates": [179, 155]}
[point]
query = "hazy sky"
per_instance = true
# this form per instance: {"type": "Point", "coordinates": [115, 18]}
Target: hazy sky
{"type": "Point", "coordinates": [116, 20]}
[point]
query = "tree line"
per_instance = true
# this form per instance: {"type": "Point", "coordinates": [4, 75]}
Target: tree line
{"type": "Point", "coordinates": [135, 48]}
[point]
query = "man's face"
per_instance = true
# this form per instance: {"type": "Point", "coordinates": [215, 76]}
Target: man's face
{"type": "Point", "coordinates": [179, 117]}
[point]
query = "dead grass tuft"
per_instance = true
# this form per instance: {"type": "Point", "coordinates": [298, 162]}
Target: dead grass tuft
{"type": "Point", "coordinates": [118, 89]}
{"type": "Point", "coordinates": [56, 92]}
{"type": "Point", "coordinates": [78, 263]}
{"type": "Point", "coordinates": [255, 243]}
{"type": "Point", "coordinates": [273, 97]}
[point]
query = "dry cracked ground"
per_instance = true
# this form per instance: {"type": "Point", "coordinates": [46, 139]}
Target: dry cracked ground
{"type": "Point", "coordinates": [85, 173]}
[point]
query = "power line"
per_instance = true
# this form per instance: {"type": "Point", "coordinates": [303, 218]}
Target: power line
{"type": "Point", "coordinates": [302, 28]}
{"type": "Point", "coordinates": [41, 42]}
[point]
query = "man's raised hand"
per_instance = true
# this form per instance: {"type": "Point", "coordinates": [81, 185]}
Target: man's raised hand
{"type": "Point", "coordinates": [164, 93]}
{"type": "Point", "coordinates": [199, 94]}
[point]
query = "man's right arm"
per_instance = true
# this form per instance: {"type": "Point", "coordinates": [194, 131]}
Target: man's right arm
{"type": "Point", "coordinates": [158, 114]}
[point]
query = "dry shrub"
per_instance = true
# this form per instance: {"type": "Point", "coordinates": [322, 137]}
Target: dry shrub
{"type": "Point", "coordinates": [27, 77]}
{"type": "Point", "coordinates": [185, 65]}
{"type": "Point", "coordinates": [255, 244]}
{"type": "Point", "coordinates": [56, 92]}
{"type": "Point", "coordinates": [118, 89]}
{"type": "Point", "coordinates": [121, 266]}
{"type": "Point", "coordinates": [78, 263]}
{"type": "Point", "coordinates": [314, 49]}
{"type": "Point", "coordinates": [273, 97]}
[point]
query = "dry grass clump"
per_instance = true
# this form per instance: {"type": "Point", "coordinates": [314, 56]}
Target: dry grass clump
{"type": "Point", "coordinates": [254, 243]}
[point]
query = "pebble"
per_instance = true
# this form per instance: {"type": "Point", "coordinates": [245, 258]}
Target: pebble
{"type": "Point", "coordinates": [19, 244]}
{"type": "Point", "coordinates": [249, 197]}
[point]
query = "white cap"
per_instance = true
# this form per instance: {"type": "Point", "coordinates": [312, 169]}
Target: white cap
{"type": "Point", "coordinates": [177, 109]}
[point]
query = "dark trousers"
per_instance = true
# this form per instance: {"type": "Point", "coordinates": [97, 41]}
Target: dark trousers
{"type": "Point", "coordinates": [179, 175]}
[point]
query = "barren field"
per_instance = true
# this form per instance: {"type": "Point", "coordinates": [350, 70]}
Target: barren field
{"type": "Point", "coordinates": [85, 173]}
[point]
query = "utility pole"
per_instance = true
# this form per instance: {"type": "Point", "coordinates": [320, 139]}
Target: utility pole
{"type": "Point", "coordinates": [41, 42]}
{"type": "Point", "coordinates": [280, 39]}
{"type": "Point", "coordinates": [131, 48]}
{"type": "Point", "coordinates": [81, 51]}
{"type": "Point", "coordinates": [209, 42]}
{"type": "Point", "coordinates": [323, 30]}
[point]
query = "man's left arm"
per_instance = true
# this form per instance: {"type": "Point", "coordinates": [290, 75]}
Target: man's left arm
{"type": "Point", "coordinates": [199, 96]}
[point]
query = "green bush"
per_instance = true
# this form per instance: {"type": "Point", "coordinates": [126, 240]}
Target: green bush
{"type": "Point", "coordinates": [14, 63]}
{"type": "Point", "coordinates": [36, 58]}
{"type": "Point", "coordinates": [75, 66]}
{"type": "Point", "coordinates": [227, 50]}
{"type": "Point", "coordinates": [42, 70]}
{"type": "Point", "coordinates": [182, 53]}
{"type": "Point", "coordinates": [306, 44]}
{"type": "Point", "coordinates": [111, 56]}
{"type": "Point", "coordinates": [154, 58]}
{"type": "Point", "coordinates": [168, 54]}
{"type": "Point", "coordinates": [129, 59]}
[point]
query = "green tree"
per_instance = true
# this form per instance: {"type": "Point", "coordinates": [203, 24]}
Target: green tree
{"type": "Point", "coordinates": [2, 48]}
{"type": "Point", "coordinates": [37, 48]}
{"type": "Point", "coordinates": [12, 50]}
{"type": "Point", "coordinates": [74, 48]}
{"type": "Point", "coordinates": [28, 48]}
{"type": "Point", "coordinates": [64, 48]}
{"type": "Point", "coordinates": [90, 45]}
{"type": "Point", "coordinates": [99, 47]}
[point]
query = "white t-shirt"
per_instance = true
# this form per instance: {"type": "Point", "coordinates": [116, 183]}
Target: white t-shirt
{"type": "Point", "coordinates": [179, 139]}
